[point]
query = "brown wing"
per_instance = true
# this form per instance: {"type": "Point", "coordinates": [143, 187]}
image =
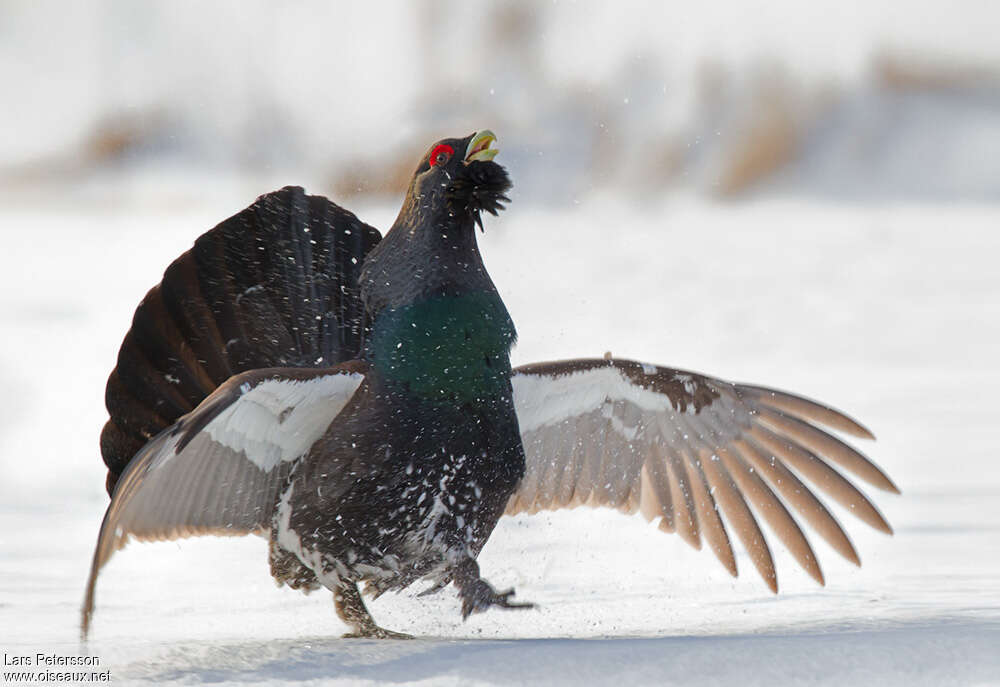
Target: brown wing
{"type": "Point", "coordinates": [218, 469]}
{"type": "Point", "coordinates": [690, 449]}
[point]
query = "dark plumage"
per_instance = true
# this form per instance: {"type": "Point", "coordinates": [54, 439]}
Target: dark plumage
{"type": "Point", "coordinates": [352, 399]}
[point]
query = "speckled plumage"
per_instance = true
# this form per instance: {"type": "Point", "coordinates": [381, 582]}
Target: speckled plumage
{"type": "Point", "coordinates": [412, 477]}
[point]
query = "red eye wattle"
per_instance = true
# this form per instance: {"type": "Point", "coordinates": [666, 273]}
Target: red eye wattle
{"type": "Point", "coordinates": [441, 154]}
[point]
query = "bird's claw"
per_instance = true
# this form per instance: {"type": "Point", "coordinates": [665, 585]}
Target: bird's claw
{"type": "Point", "coordinates": [479, 596]}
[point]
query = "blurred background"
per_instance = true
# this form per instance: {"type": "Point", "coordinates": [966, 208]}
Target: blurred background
{"type": "Point", "coordinates": [804, 195]}
{"type": "Point", "coordinates": [877, 100]}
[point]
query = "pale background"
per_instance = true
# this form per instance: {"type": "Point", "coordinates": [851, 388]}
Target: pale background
{"type": "Point", "coordinates": [803, 195]}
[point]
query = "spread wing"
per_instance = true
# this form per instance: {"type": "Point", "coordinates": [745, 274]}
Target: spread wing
{"type": "Point", "coordinates": [218, 469]}
{"type": "Point", "coordinates": [690, 449]}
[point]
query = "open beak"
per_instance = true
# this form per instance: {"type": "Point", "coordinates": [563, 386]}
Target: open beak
{"type": "Point", "coordinates": [479, 147]}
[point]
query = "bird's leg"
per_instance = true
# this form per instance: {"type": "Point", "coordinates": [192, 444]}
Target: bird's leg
{"type": "Point", "coordinates": [351, 609]}
{"type": "Point", "coordinates": [477, 594]}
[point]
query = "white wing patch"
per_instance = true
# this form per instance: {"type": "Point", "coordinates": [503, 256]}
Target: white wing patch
{"type": "Point", "coordinates": [544, 400]}
{"type": "Point", "coordinates": [303, 408]}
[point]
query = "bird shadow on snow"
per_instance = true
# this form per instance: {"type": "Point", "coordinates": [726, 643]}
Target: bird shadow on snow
{"type": "Point", "coordinates": [928, 651]}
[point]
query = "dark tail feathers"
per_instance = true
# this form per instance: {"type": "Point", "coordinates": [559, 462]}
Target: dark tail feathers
{"type": "Point", "coordinates": [274, 285]}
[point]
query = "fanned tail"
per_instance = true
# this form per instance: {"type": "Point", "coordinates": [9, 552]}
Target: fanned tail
{"type": "Point", "coordinates": [275, 285]}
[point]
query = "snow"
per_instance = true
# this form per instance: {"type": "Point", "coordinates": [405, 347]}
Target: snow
{"type": "Point", "coordinates": [888, 311]}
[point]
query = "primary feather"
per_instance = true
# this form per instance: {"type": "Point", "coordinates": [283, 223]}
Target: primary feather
{"type": "Point", "coordinates": [634, 436]}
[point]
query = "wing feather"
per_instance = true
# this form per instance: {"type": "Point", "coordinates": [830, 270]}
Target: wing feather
{"type": "Point", "coordinates": [684, 507]}
{"type": "Point", "coordinates": [826, 445]}
{"type": "Point", "coordinates": [727, 495]}
{"type": "Point", "coordinates": [806, 409]}
{"type": "Point", "coordinates": [769, 507]}
{"type": "Point", "coordinates": [816, 470]}
{"type": "Point", "coordinates": [699, 454]}
{"type": "Point", "coordinates": [628, 482]}
{"type": "Point", "coordinates": [657, 481]}
{"type": "Point", "coordinates": [549, 473]}
{"type": "Point", "coordinates": [649, 502]}
{"type": "Point", "coordinates": [218, 469]}
{"type": "Point", "coordinates": [709, 521]}
{"type": "Point", "coordinates": [593, 459]}
{"type": "Point", "coordinates": [571, 475]}
{"type": "Point", "coordinates": [800, 497]}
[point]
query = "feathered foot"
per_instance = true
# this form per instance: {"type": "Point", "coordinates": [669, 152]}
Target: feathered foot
{"type": "Point", "coordinates": [351, 609]}
{"type": "Point", "coordinates": [477, 594]}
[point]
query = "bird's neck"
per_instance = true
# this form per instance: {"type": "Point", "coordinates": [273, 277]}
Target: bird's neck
{"type": "Point", "coordinates": [419, 257]}
{"type": "Point", "coordinates": [449, 348]}
{"type": "Point", "coordinates": [439, 329]}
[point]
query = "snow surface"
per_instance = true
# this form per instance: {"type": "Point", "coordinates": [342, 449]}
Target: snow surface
{"type": "Point", "coordinates": [890, 312]}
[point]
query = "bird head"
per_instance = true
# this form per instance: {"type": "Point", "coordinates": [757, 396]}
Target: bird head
{"type": "Point", "coordinates": [458, 178]}
{"type": "Point", "coordinates": [431, 247]}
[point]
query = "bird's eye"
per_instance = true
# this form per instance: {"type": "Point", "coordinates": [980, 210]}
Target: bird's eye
{"type": "Point", "coordinates": [441, 154]}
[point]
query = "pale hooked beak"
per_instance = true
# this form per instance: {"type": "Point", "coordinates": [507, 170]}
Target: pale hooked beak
{"type": "Point", "coordinates": [479, 147]}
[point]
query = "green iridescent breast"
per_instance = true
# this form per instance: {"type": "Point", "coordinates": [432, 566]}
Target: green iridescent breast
{"type": "Point", "coordinates": [452, 348]}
